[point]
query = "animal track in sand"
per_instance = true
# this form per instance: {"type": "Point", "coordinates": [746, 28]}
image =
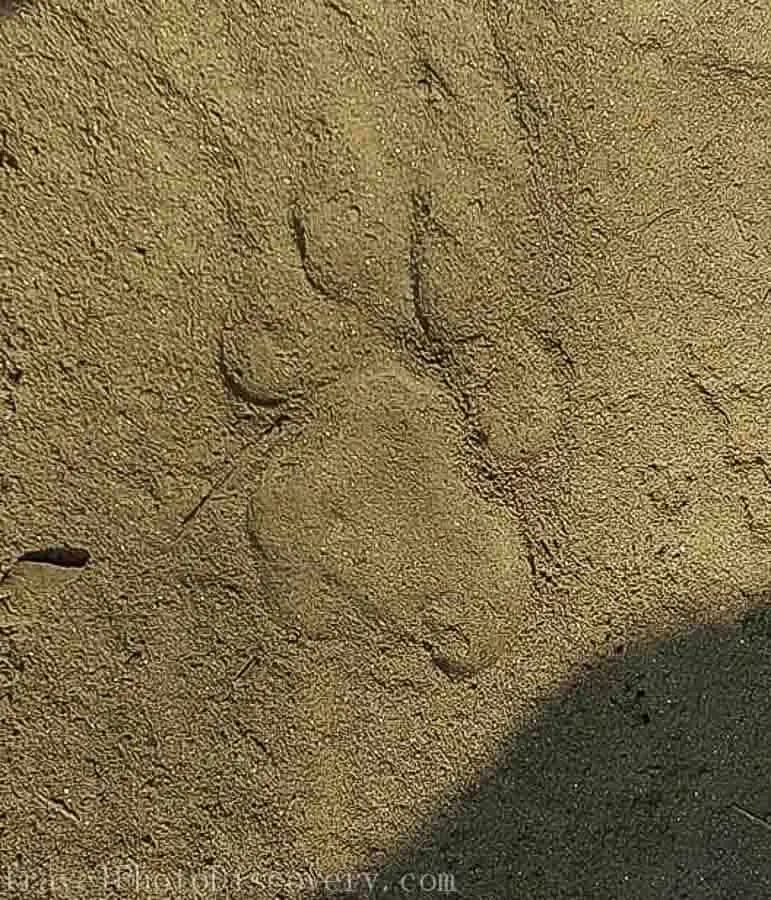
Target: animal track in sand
{"type": "Point", "coordinates": [439, 296]}
{"type": "Point", "coordinates": [401, 325]}
{"type": "Point", "coordinates": [365, 522]}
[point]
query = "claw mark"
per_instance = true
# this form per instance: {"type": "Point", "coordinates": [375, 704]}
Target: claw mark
{"type": "Point", "coordinates": [420, 212]}
{"type": "Point", "coordinates": [421, 222]}
{"type": "Point", "coordinates": [298, 233]}
{"type": "Point", "coordinates": [300, 236]}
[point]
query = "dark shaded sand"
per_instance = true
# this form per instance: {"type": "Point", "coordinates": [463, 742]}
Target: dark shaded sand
{"type": "Point", "coordinates": [640, 778]}
{"type": "Point", "coordinates": [393, 365]}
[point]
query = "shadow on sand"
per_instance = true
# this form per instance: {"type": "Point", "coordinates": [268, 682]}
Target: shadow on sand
{"type": "Point", "coordinates": [647, 777]}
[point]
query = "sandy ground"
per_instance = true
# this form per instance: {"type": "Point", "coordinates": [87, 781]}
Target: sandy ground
{"type": "Point", "coordinates": [404, 371]}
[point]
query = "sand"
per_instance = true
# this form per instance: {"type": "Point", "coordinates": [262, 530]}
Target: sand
{"type": "Point", "coordinates": [403, 371]}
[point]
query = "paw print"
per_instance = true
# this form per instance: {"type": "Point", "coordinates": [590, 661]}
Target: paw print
{"type": "Point", "coordinates": [399, 329]}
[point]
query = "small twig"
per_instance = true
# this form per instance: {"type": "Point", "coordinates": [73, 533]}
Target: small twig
{"type": "Point", "coordinates": [231, 469]}
{"type": "Point", "coordinates": [246, 667]}
{"type": "Point", "coordinates": [59, 806]}
{"type": "Point", "coordinates": [756, 820]}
